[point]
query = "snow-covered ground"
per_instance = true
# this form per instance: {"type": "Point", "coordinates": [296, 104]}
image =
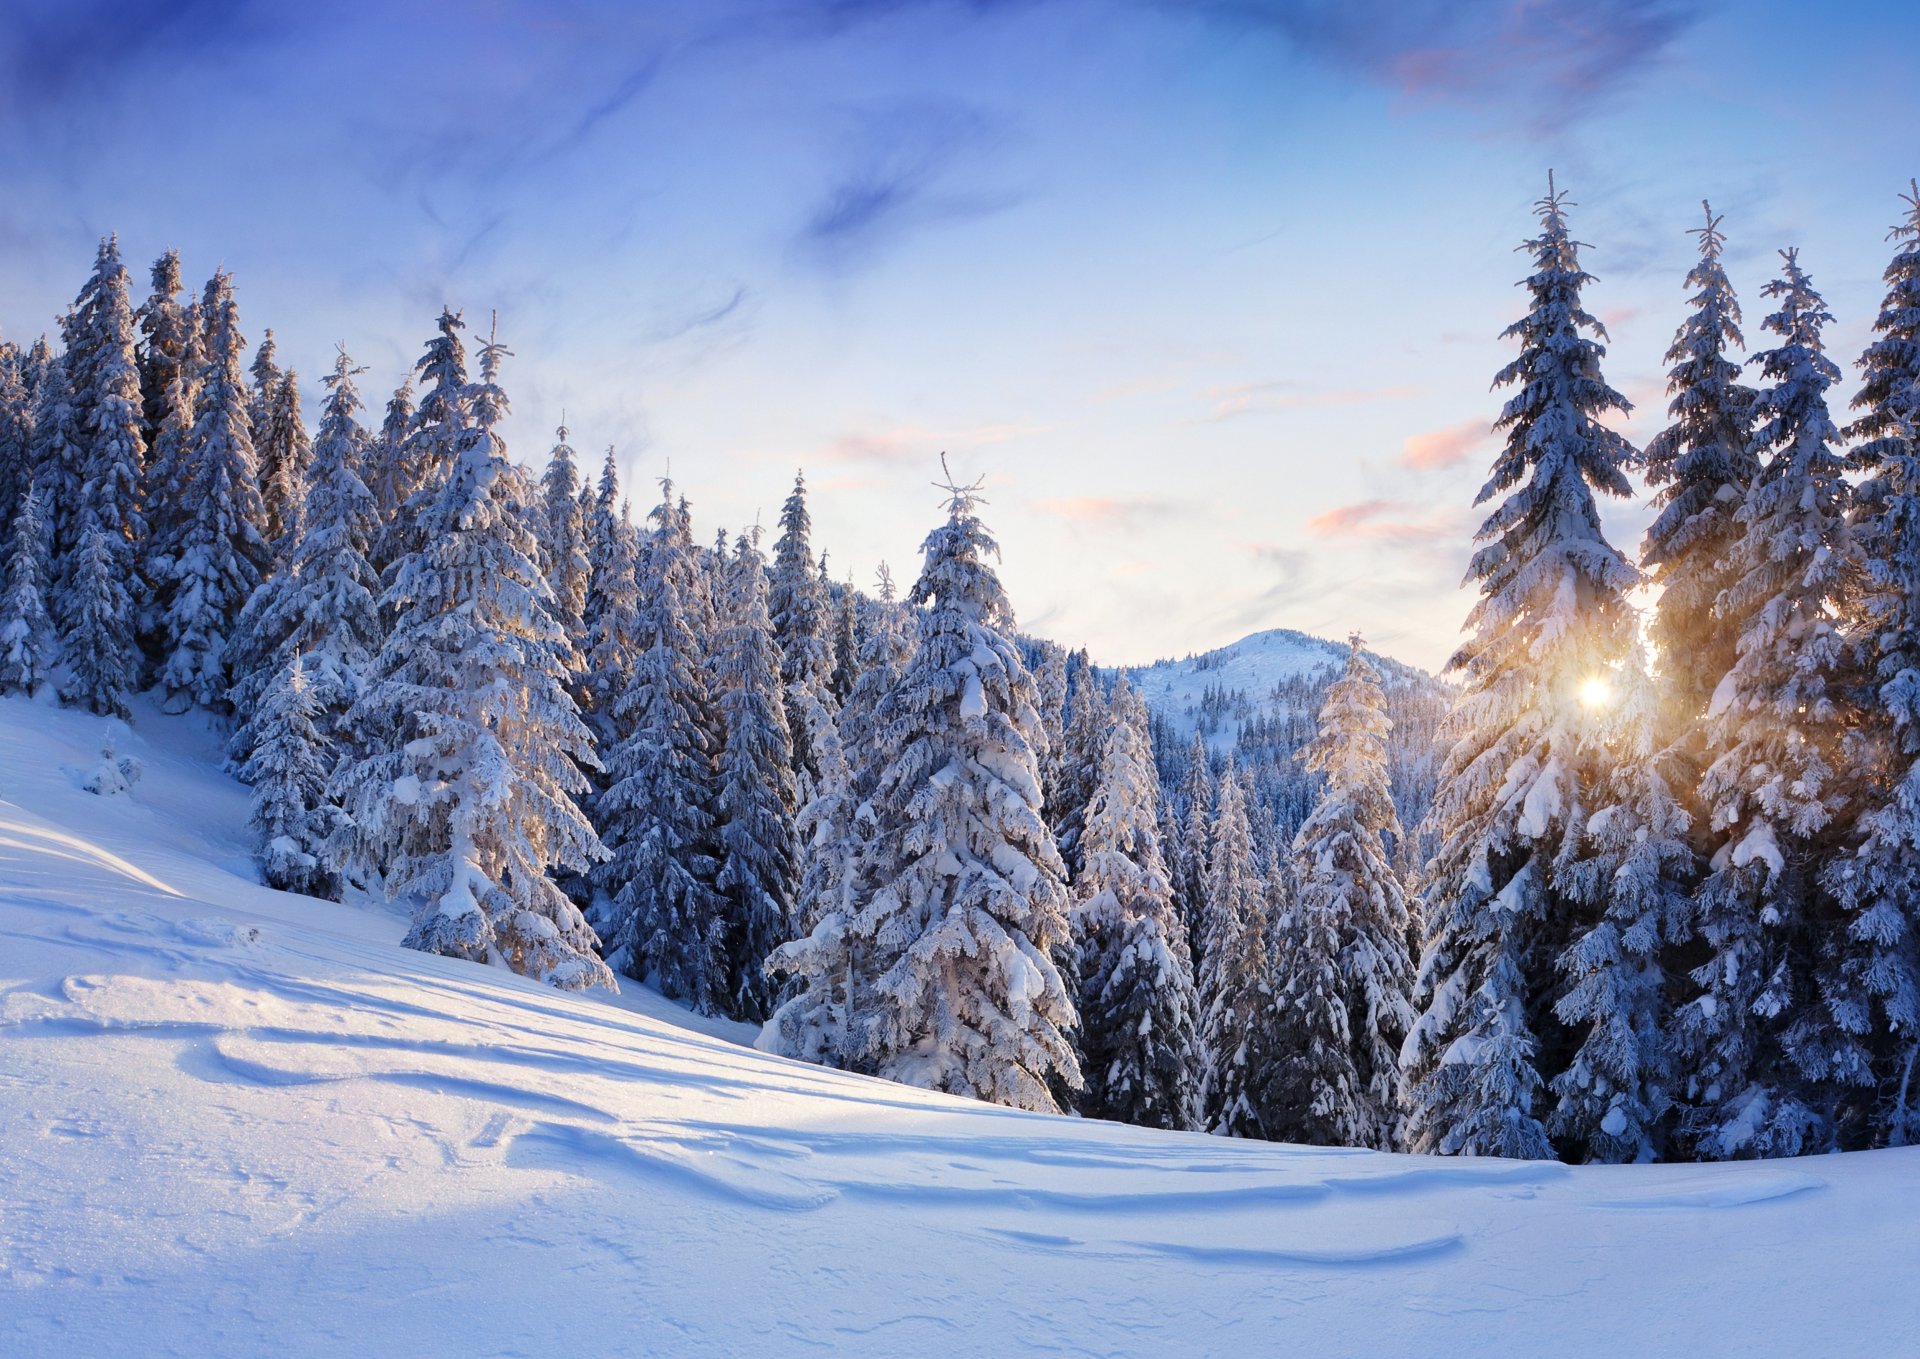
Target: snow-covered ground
{"type": "Point", "coordinates": [235, 1122]}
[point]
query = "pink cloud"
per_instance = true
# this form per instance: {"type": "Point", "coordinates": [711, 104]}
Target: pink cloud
{"type": "Point", "coordinates": [1446, 447]}
{"type": "Point", "coordinates": [905, 444]}
{"type": "Point", "coordinates": [1379, 521]}
{"type": "Point", "coordinates": [1108, 511]}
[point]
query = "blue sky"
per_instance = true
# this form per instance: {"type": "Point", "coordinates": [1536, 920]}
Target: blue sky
{"type": "Point", "coordinates": [1209, 293]}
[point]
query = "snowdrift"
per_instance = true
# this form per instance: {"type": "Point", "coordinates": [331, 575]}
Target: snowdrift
{"type": "Point", "coordinates": [238, 1122]}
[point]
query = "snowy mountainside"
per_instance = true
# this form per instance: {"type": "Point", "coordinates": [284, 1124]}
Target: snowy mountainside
{"type": "Point", "coordinates": [1219, 690]}
{"type": "Point", "coordinates": [238, 1122]}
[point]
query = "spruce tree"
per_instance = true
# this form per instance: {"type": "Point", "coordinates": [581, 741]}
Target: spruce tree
{"type": "Point", "coordinates": [1195, 841]}
{"type": "Point", "coordinates": [16, 436]}
{"type": "Point", "coordinates": [1235, 985]}
{"type": "Point", "coordinates": [564, 537]}
{"type": "Point", "coordinates": [26, 630]}
{"type": "Point", "coordinates": [799, 617]}
{"type": "Point", "coordinates": [97, 642]}
{"type": "Point", "coordinates": [266, 380]}
{"type": "Point", "coordinates": [1871, 983]}
{"type": "Point", "coordinates": [1633, 874]}
{"type": "Point", "coordinates": [167, 338]}
{"type": "Point", "coordinates": [386, 472]}
{"type": "Point", "coordinates": [1763, 1062]}
{"type": "Point", "coordinates": [322, 604]}
{"type": "Point", "coordinates": [968, 907]}
{"type": "Point", "coordinates": [425, 453]}
{"type": "Point", "coordinates": [664, 919]}
{"type": "Point", "coordinates": [283, 452]}
{"type": "Point", "coordinates": [469, 807]}
{"type": "Point", "coordinates": [1527, 756]}
{"type": "Point", "coordinates": [222, 553]}
{"type": "Point", "coordinates": [58, 466]}
{"type": "Point", "coordinates": [828, 965]}
{"type": "Point", "coordinates": [759, 860]}
{"type": "Point", "coordinates": [1342, 975]}
{"type": "Point", "coordinates": [1138, 1006]}
{"type": "Point", "coordinates": [105, 379]}
{"type": "Point", "coordinates": [288, 765]}
{"type": "Point", "coordinates": [169, 419]}
{"type": "Point", "coordinates": [610, 615]}
{"type": "Point", "coordinates": [1078, 770]}
{"type": "Point", "coordinates": [1702, 465]}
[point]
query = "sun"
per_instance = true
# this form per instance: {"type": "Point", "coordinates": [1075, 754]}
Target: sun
{"type": "Point", "coordinates": [1596, 692]}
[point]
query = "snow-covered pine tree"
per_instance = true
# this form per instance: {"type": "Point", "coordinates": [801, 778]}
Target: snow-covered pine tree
{"type": "Point", "coordinates": [425, 454]}
{"type": "Point", "coordinates": [1633, 874]}
{"type": "Point", "coordinates": [1701, 466]}
{"type": "Point", "coordinates": [827, 966]}
{"type": "Point", "coordinates": [1764, 1062]}
{"type": "Point", "coordinates": [610, 616]}
{"type": "Point", "coordinates": [283, 451]}
{"type": "Point", "coordinates": [266, 378]}
{"type": "Point", "coordinates": [846, 643]}
{"type": "Point", "coordinates": [1050, 689]}
{"type": "Point", "coordinates": [26, 629]}
{"type": "Point", "coordinates": [968, 907]}
{"type": "Point", "coordinates": [664, 918]}
{"type": "Point", "coordinates": [564, 537]}
{"type": "Point", "coordinates": [167, 327]}
{"type": "Point", "coordinates": [16, 435]}
{"type": "Point", "coordinates": [1138, 1007]}
{"type": "Point", "coordinates": [385, 463]}
{"type": "Point", "coordinates": [106, 395]}
{"type": "Point", "coordinates": [97, 641]}
{"type": "Point", "coordinates": [759, 859]}
{"type": "Point", "coordinates": [1526, 757]}
{"type": "Point", "coordinates": [1236, 993]}
{"type": "Point", "coordinates": [288, 766]}
{"type": "Point", "coordinates": [169, 387]}
{"type": "Point", "coordinates": [799, 616]}
{"type": "Point", "coordinates": [322, 605]}
{"type": "Point", "coordinates": [222, 552]}
{"type": "Point", "coordinates": [58, 467]}
{"type": "Point", "coordinates": [1342, 975]}
{"type": "Point", "coordinates": [1194, 844]}
{"type": "Point", "coordinates": [1873, 978]}
{"type": "Point", "coordinates": [471, 807]}
{"type": "Point", "coordinates": [1088, 723]}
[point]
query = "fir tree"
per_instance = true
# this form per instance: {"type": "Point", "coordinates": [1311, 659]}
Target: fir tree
{"type": "Point", "coordinates": [283, 452]}
{"type": "Point", "coordinates": [664, 918]}
{"type": "Point", "coordinates": [610, 616]}
{"type": "Point", "coordinates": [465, 814]}
{"type": "Point", "coordinates": [756, 792]}
{"type": "Point", "coordinates": [425, 454]}
{"type": "Point", "coordinates": [26, 630]}
{"type": "Point", "coordinates": [97, 643]}
{"type": "Point", "coordinates": [1702, 465]}
{"type": "Point", "coordinates": [1633, 875]}
{"type": "Point", "coordinates": [266, 380]}
{"type": "Point", "coordinates": [1757, 1048]}
{"type": "Point", "coordinates": [1138, 1006]}
{"type": "Point", "coordinates": [968, 906]}
{"type": "Point", "coordinates": [386, 470]}
{"type": "Point", "coordinates": [105, 381]}
{"type": "Point", "coordinates": [16, 436]}
{"type": "Point", "coordinates": [799, 617]}
{"type": "Point", "coordinates": [58, 467]}
{"type": "Point", "coordinates": [175, 356]}
{"type": "Point", "coordinates": [1078, 769]}
{"type": "Point", "coordinates": [1194, 844]}
{"type": "Point", "coordinates": [1343, 977]}
{"type": "Point", "coordinates": [167, 341]}
{"type": "Point", "coordinates": [1526, 754]}
{"type": "Point", "coordinates": [293, 819]}
{"type": "Point", "coordinates": [322, 605]}
{"type": "Point", "coordinates": [1871, 984]}
{"type": "Point", "coordinates": [1235, 986]}
{"type": "Point", "coordinates": [828, 966]}
{"type": "Point", "coordinates": [222, 552]}
{"type": "Point", "coordinates": [564, 537]}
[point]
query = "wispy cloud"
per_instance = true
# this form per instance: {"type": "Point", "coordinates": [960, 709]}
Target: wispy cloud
{"type": "Point", "coordinates": [1445, 447]}
{"type": "Point", "coordinates": [900, 167]}
{"type": "Point", "coordinates": [1387, 522]}
{"type": "Point", "coordinates": [907, 444]}
{"type": "Point", "coordinates": [1117, 512]}
{"type": "Point", "coordinates": [1253, 398]}
{"type": "Point", "coordinates": [1550, 60]}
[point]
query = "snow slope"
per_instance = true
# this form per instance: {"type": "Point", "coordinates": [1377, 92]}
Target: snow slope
{"type": "Point", "coordinates": [235, 1122]}
{"type": "Point", "coordinates": [1174, 689]}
